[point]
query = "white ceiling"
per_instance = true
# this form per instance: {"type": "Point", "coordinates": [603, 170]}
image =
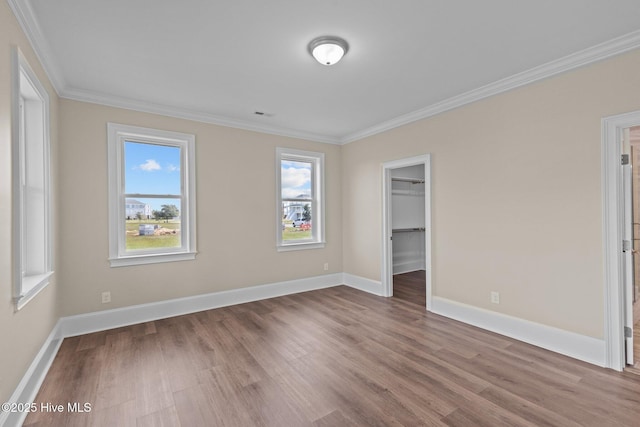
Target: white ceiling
{"type": "Point", "coordinates": [221, 61]}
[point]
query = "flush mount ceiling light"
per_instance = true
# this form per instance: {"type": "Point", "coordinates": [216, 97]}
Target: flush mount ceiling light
{"type": "Point", "coordinates": [328, 50]}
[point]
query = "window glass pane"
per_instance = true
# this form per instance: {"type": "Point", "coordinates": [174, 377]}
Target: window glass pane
{"type": "Point", "coordinates": [151, 169]}
{"type": "Point", "coordinates": [295, 179]}
{"type": "Point", "coordinates": [297, 221]}
{"type": "Point", "coordinates": [299, 199]}
{"type": "Point", "coordinates": [152, 223]}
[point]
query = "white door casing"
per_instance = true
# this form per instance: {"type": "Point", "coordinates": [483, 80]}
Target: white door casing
{"type": "Point", "coordinates": [613, 215]}
{"type": "Point", "coordinates": [627, 256]}
{"type": "Point", "coordinates": [387, 243]}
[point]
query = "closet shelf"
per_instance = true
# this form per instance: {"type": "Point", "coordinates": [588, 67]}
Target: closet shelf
{"type": "Point", "coordinates": [407, 193]}
{"type": "Point", "coordinates": [411, 180]}
{"type": "Point", "coordinates": [407, 230]}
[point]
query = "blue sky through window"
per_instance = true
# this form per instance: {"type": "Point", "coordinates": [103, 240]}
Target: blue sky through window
{"type": "Point", "coordinates": [152, 169]}
{"type": "Point", "coordinates": [295, 178]}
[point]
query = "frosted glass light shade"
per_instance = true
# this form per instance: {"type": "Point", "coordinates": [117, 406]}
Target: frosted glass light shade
{"type": "Point", "coordinates": [328, 50]}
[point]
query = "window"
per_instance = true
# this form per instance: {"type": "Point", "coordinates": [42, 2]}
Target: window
{"type": "Point", "coordinates": [151, 195]}
{"type": "Point", "coordinates": [300, 204]}
{"type": "Point", "coordinates": [30, 175]}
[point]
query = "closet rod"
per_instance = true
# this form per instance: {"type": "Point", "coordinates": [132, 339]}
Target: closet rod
{"type": "Point", "coordinates": [407, 230]}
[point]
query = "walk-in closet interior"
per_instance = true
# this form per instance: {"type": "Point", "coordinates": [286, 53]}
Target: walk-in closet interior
{"type": "Point", "coordinates": [408, 228]}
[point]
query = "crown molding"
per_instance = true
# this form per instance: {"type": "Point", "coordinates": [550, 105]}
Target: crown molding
{"type": "Point", "coordinates": [197, 116]}
{"type": "Point", "coordinates": [26, 18]}
{"type": "Point", "coordinates": [31, 28]}
{"type": "Point", "coordinates": [29, 24]}
{"type": "Point", "coordinates": [579, 59]}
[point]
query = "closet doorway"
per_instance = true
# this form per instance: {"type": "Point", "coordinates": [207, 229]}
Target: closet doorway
{"type": "Point", "coordinates": [631, 185]}
{"type": "Point", "coordinates": [407, 230]}
{"type": "Point", "coordinates": [619, 134]}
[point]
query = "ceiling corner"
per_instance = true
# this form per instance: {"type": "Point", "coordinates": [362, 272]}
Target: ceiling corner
{"type": "Point", "coordinates": [28, 22]}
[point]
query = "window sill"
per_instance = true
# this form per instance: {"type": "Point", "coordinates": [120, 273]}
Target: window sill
{"type": "Point", "coordinates": [300, 246]}
{"type": "Point", "coordinates": [151, 259]}
{"type": "Point", "coordinates": [32, 285]}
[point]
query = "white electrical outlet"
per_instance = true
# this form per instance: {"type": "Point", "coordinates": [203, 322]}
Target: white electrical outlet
{"type": "Point", "coordinates": [495, 297]}
{"type": "Point", "coordinates": [106, 297]}
{"type": "Point", "coordinates": [326, 266]}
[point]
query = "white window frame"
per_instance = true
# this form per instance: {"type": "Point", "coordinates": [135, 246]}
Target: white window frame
{"type": "Point", "coordinates": [30, 135]}
{"type": "Point", "coordinates": [317, 240]}
{"type": "Point", "coordinates": [117, 135]}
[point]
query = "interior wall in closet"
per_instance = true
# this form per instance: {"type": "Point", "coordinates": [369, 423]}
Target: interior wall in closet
{"type": "Point", "coordinates": [407, 218]}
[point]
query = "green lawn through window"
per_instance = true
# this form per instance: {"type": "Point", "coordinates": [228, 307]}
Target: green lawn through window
{"type": "Point", "coordinates": [167, 235]}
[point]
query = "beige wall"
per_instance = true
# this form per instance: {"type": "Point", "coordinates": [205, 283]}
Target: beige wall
{"type": "Point", "coordinates": [516, 205]}
{"type": "Point", "coordinates": [517, 201]}
{"type": "Point", "coordinates": [23, 333]}
{"type": "Point", "coordinates": [235, 208]}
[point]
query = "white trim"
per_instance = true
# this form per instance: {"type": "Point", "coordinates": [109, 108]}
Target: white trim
{"type": "Point", "coordinates": [81, 324]}
{"type": "Point", "coordinates": [579, 59]}
{"type": "Point", "coordinates": [117, 136]}
{"type": "Point", "coordinates": [612, 235]}
{"type": "Point", "coordinates": [196, 116]}
{"type": "Point", "coordinates": [387, 269]}
{"type": "Point", "coordinates": [408, 266]}
{"type": "Point", "coordinates": [27, 20]}
{"type": "Point", "coordinates": [31, 28]}
{"type": "Point", "coordinates": [363, 284]}
{"type": "Point", "coordinates": [581, 347]}
{"type": "Point", "coordinates": [20, 69]}
{"type": "Point", "coordinates": [386, 255]}
{"type": "Point", "coordinates": [317, 240]}
{"type": "Point", "coordinates": [127, 261]}
{"type": "Point", "coordinates": [131, 315]}
{"type": "Point", "coordinates": [31, 381]}
{"type": "Point", "coordinates": [300, 246]}
{"type": "Point", "coordinates": [41, 281]}
{"type": "Point", "coordinates": [570, 62]}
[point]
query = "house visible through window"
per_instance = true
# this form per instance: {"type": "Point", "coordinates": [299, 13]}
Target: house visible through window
{"type": "Point", "coordinates": [32, 266]}
{"type": "Point", "coordinates": [300, 219]}
{"type": "Point", "coordinates": [152, 195]}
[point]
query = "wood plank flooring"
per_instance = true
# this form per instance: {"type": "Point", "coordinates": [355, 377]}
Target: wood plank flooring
{"type": "Point", "coordinates": [636, 338]}
{"type": "Point", "coordinates": [411, 287]}
{"type": "Point", "coordinates": [332, 357]}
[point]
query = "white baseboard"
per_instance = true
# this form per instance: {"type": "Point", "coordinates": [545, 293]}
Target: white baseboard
{"type": "Point", "coordinates": [109, 319]}
{"type": "Point", "coordinates": [28, 387]}
{"type": "Point", "coordinates": [408, 266]}
{"type": "Point", "coordinates": [582, 347]}
{"type": "Point", "coordinates": [363, 284]}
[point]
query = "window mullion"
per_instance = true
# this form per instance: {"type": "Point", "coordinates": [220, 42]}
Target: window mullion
{"type": "Point", "coordinates": [153, 196]}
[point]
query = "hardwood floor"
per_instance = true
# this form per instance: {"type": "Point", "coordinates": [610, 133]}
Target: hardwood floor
{"type": "Point", "coordinates": [411, 287]}
{"type": "Point", "coordinates": [636, 338]}
{"type": "Point", "coordinates": [332, 357]}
